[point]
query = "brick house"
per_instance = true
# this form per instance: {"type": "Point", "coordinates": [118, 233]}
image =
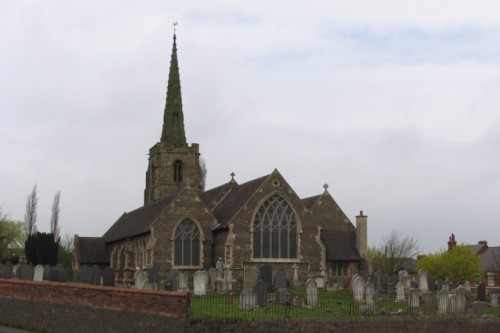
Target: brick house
{"type": "Point", "coordinates": [261, 221]}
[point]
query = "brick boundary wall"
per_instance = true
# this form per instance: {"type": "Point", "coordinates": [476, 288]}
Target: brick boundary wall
{"type": "Point", "coordinates": [66, 307]}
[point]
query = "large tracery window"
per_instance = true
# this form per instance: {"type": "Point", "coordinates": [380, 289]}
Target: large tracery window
{"type": "Point", "coordinates": [275, 230]}
{"type": "Point", "coordinates": [187, 244]}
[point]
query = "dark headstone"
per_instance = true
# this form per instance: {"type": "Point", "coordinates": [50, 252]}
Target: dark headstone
{"type": "Point", "coordinates": [479, 308]}
{"type": "Point", "coordinates": [169, 285]}
{"type": "Point", "coordinates": [108, 277]}
{"type": "Point", "coordinates": [5, 271]}
{"type": "Point", "coordinates": [280, 280]}
{"type": "Point", "coordinates": [27, 272]}
{"type": "Point", "coordinates": [481, 292]}
{"type": "Point", "coordinates": [431, 283]}
{"type": "Point", "coordinates": [85, 274]}
{"type": "Point", "coordinates": [260, 289]}
{"type": "Point", "coordinates": [174, 278]}
{"type": "Point", "coordinates": [390, 288]}
{"type": "Point", "coordinates": [58, 274]}
{"type": "Point", "coordinates": [283, 296]}
{"type": "Point", "coordinates": [266, 274]}
{"type": "Point", "coordinates": [153, 275]}
{"type": "Point", "coordinates": [19, 270]}
{"type": "Point", "coordinates": [95, 278]}
{"type": "Point", "coordinates": [376, 280]}
{"type": "Point", "coordinates": [46, 272]}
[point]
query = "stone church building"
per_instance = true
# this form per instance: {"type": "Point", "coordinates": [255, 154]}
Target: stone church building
{"type": "Point", "coordinates": [263, 221]}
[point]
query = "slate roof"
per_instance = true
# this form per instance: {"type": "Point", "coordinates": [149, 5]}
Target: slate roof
{"type": "Point", "coordinates": [138, 221]}
{"type": "Point", "coordinates": [490, 259]}
{"type": "Point", "coordinates": [238, 196]}
{"type": "Point", "coordinates": [308, 202]}
{"type": "Point", "coordinates": [340, 245]}
{"type": "Point", "coordinates": [92, 250]}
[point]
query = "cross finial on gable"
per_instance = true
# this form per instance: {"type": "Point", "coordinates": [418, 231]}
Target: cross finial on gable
{"type": "Point", "coordinates": [232, 174]}
{"type": "Point", "coordinates": [325, 187]}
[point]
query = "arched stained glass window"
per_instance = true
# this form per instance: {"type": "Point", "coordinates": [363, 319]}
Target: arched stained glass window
{"type": "Point", "coordinates": [187, 244]}
{"type": "Point", "coordinates": [275, 230]}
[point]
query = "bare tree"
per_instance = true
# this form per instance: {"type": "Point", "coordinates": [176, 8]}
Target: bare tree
{"type": "Point", "coordinates": [398, 248]}
{"type": "Point", "coordinates": [30, 215]}
{"type": "Point", "coordinates": [68, 242]}
{"type": "Point", "coordinates": [54, 221]}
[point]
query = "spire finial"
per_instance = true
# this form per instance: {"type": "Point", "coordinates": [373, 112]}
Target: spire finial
{"type": "Point", "coordinates": [232, 174]}
{"type": "Point", "coordinates": [175, 26]}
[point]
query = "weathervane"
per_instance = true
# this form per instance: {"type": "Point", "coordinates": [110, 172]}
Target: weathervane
{"type": "Point", "coordinates": [175, 24]}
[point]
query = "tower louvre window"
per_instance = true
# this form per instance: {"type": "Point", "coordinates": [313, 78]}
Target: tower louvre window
{"type": "Point", "coordinates": [275, 230]}
{"type": "Point", "coordinates": [178, 170]}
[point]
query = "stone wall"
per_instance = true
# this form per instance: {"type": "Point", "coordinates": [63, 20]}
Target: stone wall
{"type": "Point", "coordinates": [62, 307]}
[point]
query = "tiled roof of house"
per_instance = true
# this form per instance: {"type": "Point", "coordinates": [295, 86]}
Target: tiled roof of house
{"type": "Point", "coordinates": [340, 245]}
{"type": "Point", "coordinates": [490, 259]}
{"type": "Point", "coordinates": [138, 221]}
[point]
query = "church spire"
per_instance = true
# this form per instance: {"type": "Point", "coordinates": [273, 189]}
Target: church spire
{"type": "Point", "coordinates": [173, 118]}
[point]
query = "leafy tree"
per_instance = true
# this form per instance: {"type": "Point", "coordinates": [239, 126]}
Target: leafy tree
{"type": "Point", "coordinates": [66, 251]}
{"type": "Point", "coordinates": [12, 237]}
{"type": "Point", "coordinates": [394, 251]}
{"type": "Point", "coordinates": [460, 264]}
{"type": "Point", "coordinates": [30, 215]}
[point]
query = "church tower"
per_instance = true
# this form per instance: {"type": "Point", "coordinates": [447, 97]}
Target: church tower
{"type": "Point", "coordinates": [173, 164]}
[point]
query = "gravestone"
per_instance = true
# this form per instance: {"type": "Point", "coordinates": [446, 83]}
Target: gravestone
{"type": "Point", "coordinates": [174, 279]}
{"type": "Point", "coordinates": [494, 300]}
{"type": "Point", "coordinates": [358, 288]}
{"type": "Point", "coordinates": [212, 277]}
{"type": "Point", "coordinates": [283, 296]}
{"type": "Point", "coordinates": [312, 293]}
{"type": "Point", "coordinates": [200, 282]}
{"type": "Point", "coordinates": [250, 277]}
{"type": "Point", "coordinates": [461, 299]}
{"type": "Point", "coordinates": [260, 290]}
{"type": "Point", "coordinates": [19, 271]}
{"type": "Point", "coordinates": [467, 286]}
{"type": "Point", "coordinates": [139, 279]}
{"type": "Point", "coordinates": [58, 274]}
{"type": "Point", "coordinates": [153, 275]}
{"type": "Point", "coordinates": [453, 304]}
{"type": "Point", "coordinates": [320, 281]}
{"type": "Point", "coordinates": [400, 292]}
{"type": "Point", "coordinates": [5, 271]}
{"type": "Point", "coordinates": [423, 284]}
{"type": "Point", "coordinates": [108, 277]}
{"type": "Point", "coordinates": [390, 288]}
{"type": "Point", "coordinates": [183, 283]}
{"type": "Point", "coordinates": [95, 277]}
{"type": "Point", "coordinates": [432, 283]}
{"type": "Point", "coordinates": [429, 303]}
{"type": "Point", "coordinates": [27, 272]}
{"type": "Point", "coordinates": [481, 292]}
{"type": "Point", "coordinates": [296, 281]}
{"type": "Point", "coordinates": [85, 274]}
{"type": "Point", "coordinates": [377, 285]}
{"type": "Point", "coordinates": [248, 300]}
{"type": "Point", "coordinates": [38, 273]}
{"type": "Point", "coordinates": [413, 301]}
{"type": "Point", "coordinates": [479, 308]}
{"type": "Point", "coordinates": [266, 274]}
{"type": "Point", "coordinates": [280, 280]}
{"type": "Point", "coordinates": [443, 300]}
{"type": "Point", "coordinates": [46, 272]}
{"type": "Point", "coordinates": [404, 278]}
{"type": "Point", "coordinates": [369, 297]}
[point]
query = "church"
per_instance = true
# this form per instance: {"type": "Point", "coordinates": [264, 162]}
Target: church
{"type": "Point", "coordinates": [185, 227]}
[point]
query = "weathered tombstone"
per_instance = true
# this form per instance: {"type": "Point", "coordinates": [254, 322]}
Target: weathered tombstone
{"type": "Point", "coordinates": [283, 296]}
{"type": "Point", "coordinates": [153, 275]}
{"type": "Point", "coordinates": [38, 273]}
{"type": "Point", "coordinates": [5, 271]}
{"type": "Point", "coordinates": [260, 290]}
{"type": "Point", "coordinates": [19, 271]}
{"type": "Point", "coordinates": [95, 277]}
{"type": "Point", "coordinates": [400, 292]}
{"type": "Point", "coordinates": [27, 272]}
{"type": "Point", "coordinates": [280, 280]}
{"type": "Point", "coordinates": [212, 277]}
{"type": "Point", "coordinates": [369, 297]}
{"type": "Point", "coordinates": [46, 272]}
{"type": "Point", "coordinates": [296, 281]}
{"type": "Point", "coordinates": [183, 283]}
{"type": "Point", "coordinates": [358, 288]}
{"type": "Point", "coordinates": [85, 274]}
{"type": "Point", "coordinates": [467, 286]}
{"type": "Point", "coordinates": [266, 274]}
{"type": "Point", "coordinates": [461, 299]}
{"type": "Point", "coordinates": [443, 300]}
{"type": "Point", "coordinates": [200, 282]}
{"type": "Point", "coordinates": [405, 280]}
{"type": "Point", "coordinates": [248, 300]}
{"type": "Point", "coordinates": [413, 302]}
{"type": "Point", "coordinates": [108, 277]}
{"type": "Point", "coordinates": [423, 284]}
{"type": "Point", "coordinates": [174, 279]}
{"type": "Point", "coordinates": [58, 274]}
{"type": "Point", "coordinates": [452, 304]}
{"type": "Point", "coordinates": [429, 303]}
{"type": "Point", "coordinates": [312, 293]}
{"type": "Point", "coordinates": [494, 300]}
{"type": "Point", "coordinates": [479, 308]}
{"type": "Point", "coordinates": [481, 292]}
{"type": "Point", "coordinates": [250, 277]}
{"type": "Point", "coordinates": [390, 288]}
{"type": "Point", "coordinates": [139, 279]}
{"type": "Point", "coordinates": [376, 280]}
{"type": "Point", "coordinates": [320, 281]}
{"type": "Point", "coordinates": [432, 283]}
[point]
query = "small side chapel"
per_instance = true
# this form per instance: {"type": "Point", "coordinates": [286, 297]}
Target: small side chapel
{"type": "Point", "coordinates": [263, 221]}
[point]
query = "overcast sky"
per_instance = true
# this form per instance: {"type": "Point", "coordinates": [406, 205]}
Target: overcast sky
{"type": "Point", "coordinates": [393, 104]}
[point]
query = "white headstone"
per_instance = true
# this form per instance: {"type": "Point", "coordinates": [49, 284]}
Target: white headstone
{"type": "Point", "coordinates": [400, 292]}
{"type": "Point", "coordinates": [248, 300]}
{"type": "Point", "coordinates": [38, 273]}
{"type": "Point", "coordinates": [494, 300]}
{"type": "Point", "coordinates": [443, 300]}
{"type": "Point", "coordinates": [369, 294]}
{"type": "Point", "coordinates": [200, 282]}
{"type": "Point", "coordinates": [423, 284]}
{"type": "Point", "coordinates": [140, 279]}
{"type": "Point", "coordinates": [183, 286]}
{"type": "Point", "coordinates": [311, 293]}
{"type": "Point", "coordinates": [358, 288]}
{"type": "Point", "coordinates": [461, 299]}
